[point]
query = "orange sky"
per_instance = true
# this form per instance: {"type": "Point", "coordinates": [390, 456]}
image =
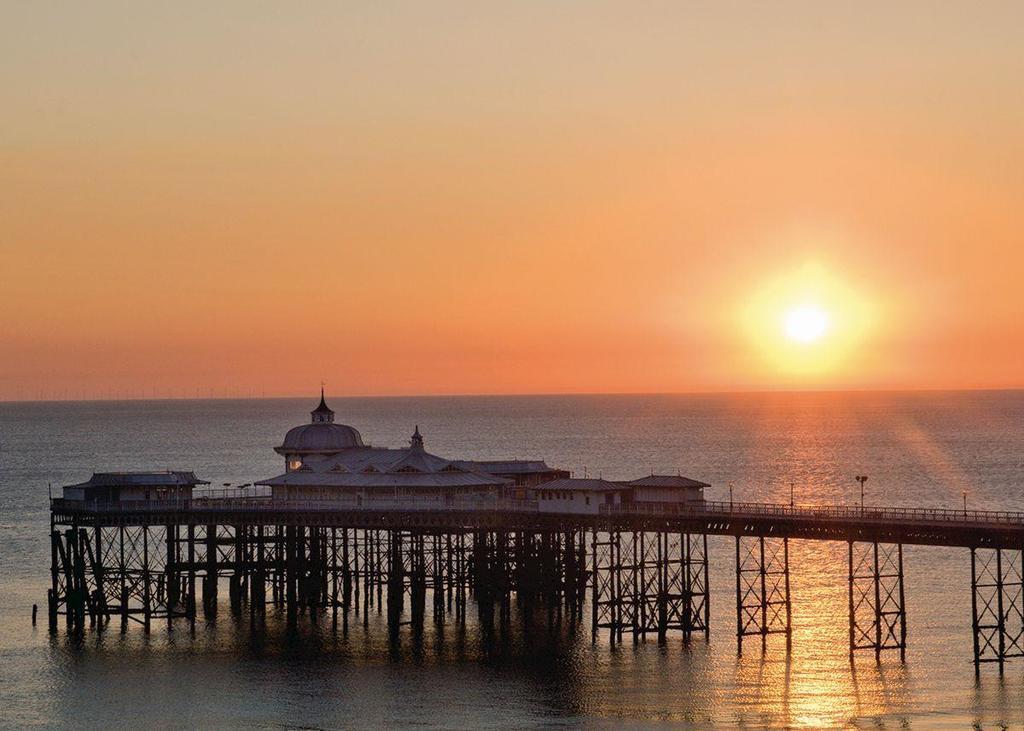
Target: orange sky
{"type": "Point", "coordinates": [426, 198]}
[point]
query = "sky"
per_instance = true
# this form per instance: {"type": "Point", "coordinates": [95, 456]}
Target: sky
{"type": "Point", "coordinates": [239, 199]}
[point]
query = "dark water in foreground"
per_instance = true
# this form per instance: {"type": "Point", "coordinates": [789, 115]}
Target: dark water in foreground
{"type": "Point", "coordinates": [919, 449]}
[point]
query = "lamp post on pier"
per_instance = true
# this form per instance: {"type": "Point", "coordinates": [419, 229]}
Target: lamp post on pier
{"type": "Point", "coordinates": [861, 479]}
{"type": "Point", "coordinates": [791, 494]}
{"type": "Point", "coordinates": [965, 504]}
{"type": "Point", "coordinates": [730, 496]}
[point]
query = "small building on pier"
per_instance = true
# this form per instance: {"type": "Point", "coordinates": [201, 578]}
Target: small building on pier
{"type": "Point", "coordinates": [587, 495]}
{"type": "Point", "coordinates": [579, 495]}
{"type": "Point", "coordinates": [523, 473]}
{"type": "Point", "coordinates": [113, 487]}
{"type": "Point", "coordinates": [667, 489]}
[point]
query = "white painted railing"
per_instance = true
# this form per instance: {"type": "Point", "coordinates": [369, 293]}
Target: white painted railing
{"type": "Point", "coordinates": [228, 500]}
{"type": "Point", "coordinates": [818, 512]}
{"type": "Point", "coordinates": [269, 504]}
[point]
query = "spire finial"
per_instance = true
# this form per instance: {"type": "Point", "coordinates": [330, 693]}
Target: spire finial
{"type": "Point", "coordinates": [417, 439]}
{"type": "Point", "coordinates": [322, 413]}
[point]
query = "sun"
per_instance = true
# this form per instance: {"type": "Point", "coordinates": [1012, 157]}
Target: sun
{"type": "Point", "coordinates": [806, 323]}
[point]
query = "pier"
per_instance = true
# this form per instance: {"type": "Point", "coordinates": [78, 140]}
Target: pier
{"type": "Point", "coordinates": [349, 528]}
{"type": "Point", "coordinates": [638, 571]}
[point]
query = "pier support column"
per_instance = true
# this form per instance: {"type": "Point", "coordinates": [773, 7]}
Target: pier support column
{"type": "Point", "coordinates": [482, 579]}
{"type": "Point", "coordinates": [997, 605]}
{"type": "Point", "coordinates": [439, 572]}
{"type": "Point", "coordinates": [147, 589]}
{"type": "Point", "coordinates": [190, 557]}
{"type": "Point", "coordinates": [763, 604]}
{"type": "Point", "coordinates": [878, 617]}
{"type": "Point", "coordinates": [460, 566]}
{"type": "Point", "coordinates": [650, 568]}
{"type": "Point", "coordinates": [340, 571]}
{"type": "Point", "coordinates": [257, 573]}
{"type": "Point", "coordinates": [500, 576]}
{"type": "Point", "coordinates": [291, 571]}
{"type": "Point", "coordinates": [172, 575]}
{"type": "Point", "coordinates": [696, 594]}
{"type": "Point", "coordinates": [97, 566]}
{"type": "Point", "coordinates": [210, 578]}
{"type": "Point", "coordinates": [237, 577]}
{"type": "Point", "coordinates": [57, 593]}
{"type": "Point", "coordinates": [417, 579]}
{"type": "Point", "coordinates": [606, 584]}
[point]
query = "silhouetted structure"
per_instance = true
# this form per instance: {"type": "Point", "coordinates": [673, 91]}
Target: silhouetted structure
{"type": "Point", "coordinates": [349, 527]}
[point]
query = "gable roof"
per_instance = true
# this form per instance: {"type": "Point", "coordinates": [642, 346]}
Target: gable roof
{"type": "Point", "coordinates": [673, 481]}
{"type": "Point", "coordinates": [589, 484]}
{"type": "Point", "coordinates": [381, 467]}
{"type": "Point", "coordinates": [508, 466]}
{"type": "Point", "coordinates": [165, 478]}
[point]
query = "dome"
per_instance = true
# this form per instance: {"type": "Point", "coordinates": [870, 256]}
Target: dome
{"type": "Point", "coordinates": [322, 435]}
{"type": "Point", "coordinates": [320, 438]}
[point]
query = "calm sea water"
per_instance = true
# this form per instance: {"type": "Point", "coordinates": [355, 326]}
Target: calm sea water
{"type": "Point", "coordinates": [918, 449]}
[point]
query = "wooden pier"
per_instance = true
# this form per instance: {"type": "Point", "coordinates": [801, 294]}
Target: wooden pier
{"type": "Point", "coordinates": [641, 570]}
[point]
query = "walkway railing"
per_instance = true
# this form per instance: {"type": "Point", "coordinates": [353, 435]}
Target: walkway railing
{"type": "Point", "coordinates": [240, 500]}
{"type": "Point", "coordinates": [817, 512]}
{"type": "Point", "coordinates": [265, 503]}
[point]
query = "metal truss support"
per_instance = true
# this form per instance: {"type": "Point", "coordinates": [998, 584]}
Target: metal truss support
{"type": "Point", "coordinates": [136, 569]}
{"type": "Point", "coordinates": [878, 616]}
{"type": "Point", "coordinates": [459, 580]}
{"type": "Point", "coordinates": [763, 604]}
{"type": "Point", "coordinates": [575, 573]}
{"type": "Point", "coordinates": [607, 588]}
{"type": "Point", "coordinates": [997, 605]}
{"type": "Point", "coordinates": [649, 583]}
{"type": "Point", "coordinates": [693, 611]}
{"type": "Point", "coordinates": [397, 558]}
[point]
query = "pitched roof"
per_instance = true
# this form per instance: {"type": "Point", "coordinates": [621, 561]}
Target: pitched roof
{"type": "Point", "coordinates": [381, 467]}
{"type": "Point", "coordinates": [166, 478]}
{"type": "Point", "coordinates": [384, 479]}
{"type": "Point", "coordinates": [508, 466]}
{"type": "Point", "coordinates": [675, 481]}
{"type": "Point", "coordinates": [582, 483]}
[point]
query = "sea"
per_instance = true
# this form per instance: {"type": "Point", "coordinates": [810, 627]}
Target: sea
{"type": "Point", "coordinates": [918, 449]}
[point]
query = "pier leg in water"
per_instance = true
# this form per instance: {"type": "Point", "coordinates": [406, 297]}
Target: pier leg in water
{"type": "Point", "coordinates": [440, 562]}
{"type": "Point", "coordinates": [210, 579]}
{"type": "Point", "coordinates": [191, 558]}
{"type": "Point", "coordinates": [172, 575]}
{"type": "Point", "coordinates": [291, 569]}
{"type": "Point", "coordinates": [997, 605]}
{"type": "Point", "coordinates": [258, 574]}
{"type": "Point", "coordinates": [396, 545]}
{"type": "Point", "coordinates": [57, 591]}
{"type": "Point", "coordinates": [762, 589]}
{"type": "Point", "coordinates": [417, 580]}
{"type": "Point", "coordinates": [607, 589]}
{"type": "Point", "coordinates": [878, 617]}
{"type": "Point", "coordinates": [147, 591]}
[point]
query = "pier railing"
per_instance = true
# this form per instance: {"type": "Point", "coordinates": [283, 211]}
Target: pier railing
{"type": "Point", "coordinates": [818, 512]}
{"type": "Point", "coordinates": [237, 500]}
{"type": "Point", "coordinates": [265, 503]}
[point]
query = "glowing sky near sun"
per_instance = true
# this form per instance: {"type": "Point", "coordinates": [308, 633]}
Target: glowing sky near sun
{"type": "Point", "coordinates": [247, 198]}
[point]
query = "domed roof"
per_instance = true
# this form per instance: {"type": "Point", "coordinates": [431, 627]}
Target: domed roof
{"type": "Point", "coordinates": [321, 437]}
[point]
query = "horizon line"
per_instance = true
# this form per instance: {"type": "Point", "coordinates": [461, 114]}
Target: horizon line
{"type": "Point", "coordinates": [530, 394]}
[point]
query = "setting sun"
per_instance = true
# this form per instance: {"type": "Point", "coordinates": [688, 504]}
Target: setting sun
{"type": "Point", "coordinates": [806, 323]}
